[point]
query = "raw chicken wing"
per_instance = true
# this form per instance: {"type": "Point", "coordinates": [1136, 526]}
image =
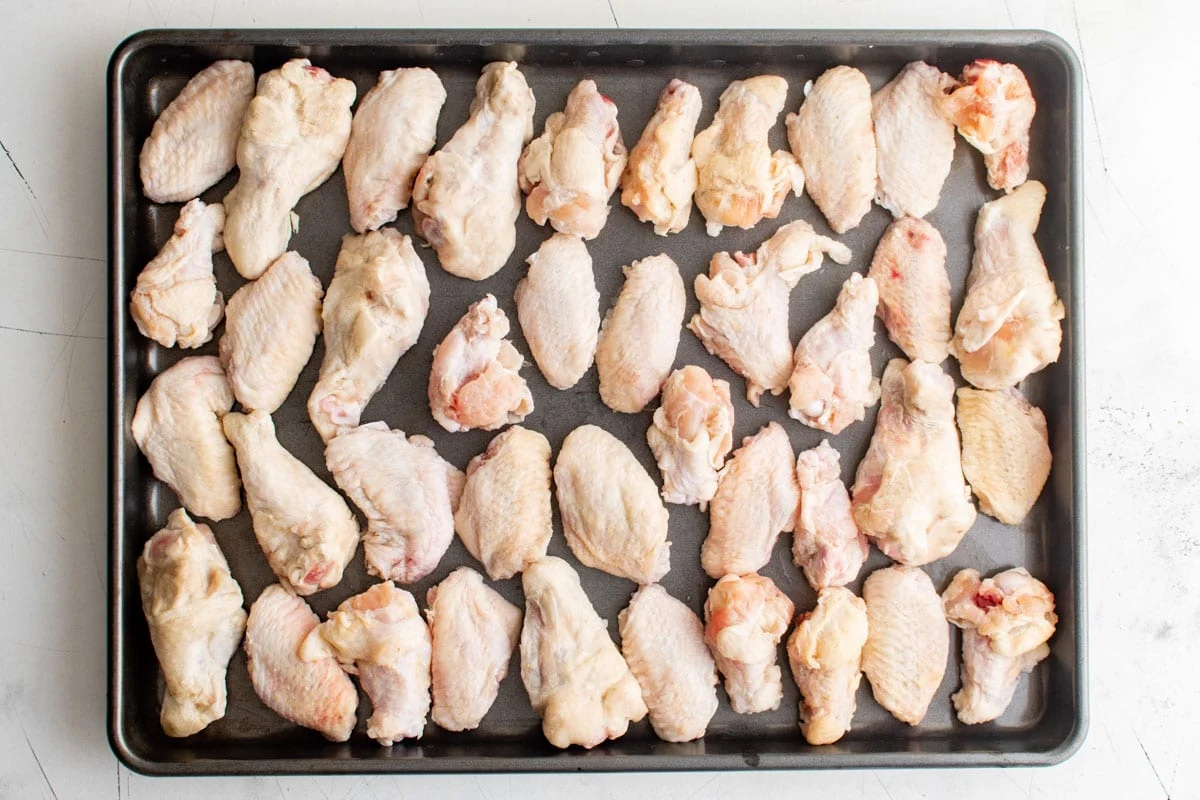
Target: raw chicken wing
{"type": "Point", "coordinates": [305, 528]}
{"type": "Point", "coordinates": [746, 616]}
{"type": "Point", "coordinates": [175, 300]}
{"type": "Point", "coordinates": [407, 492]}
{"type": "Point", "coordinates": [292, 140]}
{"type": "Point", "coordinates": [1006, 621]}
{"type": "Point", "coordinates": [828, 545]}
{"type": "Point", "coordinates": [194, 609]}
{"type": "Point", "coordinates": [825, 652]}
{"type": "Point", "coordinates": [993, 110]}
{"type": "Point", "coordinates": [660, 178]}
{"type": "Point", "coordinates": [373, 313]}
{"type": "Point", "coordinates": [611, 512]}
{"type": "Point", "coordinates": [691, 435]}
{"type": "Point", "coordinates": [663, 643]}
{"type": "Point", "coordinates": [577, 681]}
{"type": "Point", "coordinates": [909, 494]}
{"type": "Point", "coordinates": [474, 631]}
{"type": "Point", "coordinates": [466, 199]}
{"type": "Point", "coordinates": [177, 426]}
{"type": "Point", "coordinates": [755, 500]}
{"type": "Point", "coordinates": [909, 269]}
{"type": "Point", "coordinates": [1006, 451]}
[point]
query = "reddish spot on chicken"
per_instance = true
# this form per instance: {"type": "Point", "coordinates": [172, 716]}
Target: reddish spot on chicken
{"type": "Point", "coordinates": [988, 601]}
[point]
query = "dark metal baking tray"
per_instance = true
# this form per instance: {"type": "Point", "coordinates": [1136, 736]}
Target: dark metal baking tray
{"type": "Point", "coordinates": [1047, 719]}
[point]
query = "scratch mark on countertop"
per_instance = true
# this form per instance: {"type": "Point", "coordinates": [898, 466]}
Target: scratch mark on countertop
{"type": "Point", "coordinates": [613, 11]}
{"type": "Point", "coordinates": [1153, 768]}
{"type": "Point", "coordinates": [16, 169]}
{"type": "Point", "coordinates": [35, 205]}
{"type": "Point", "coordinates": [421, 13]}
{"type": "Point", "coordinates": [52, 255]}
{"type": "Point", "coordinates": [1008, 11]}
{"type": "Point", "coordinates": [38, 761]}
{"type": "Point", "coordinates": [883, 786]}
{"type": "Point", "coordinates": [1087, 79]}
{"type": "Point", "coordinates": [51, 333]}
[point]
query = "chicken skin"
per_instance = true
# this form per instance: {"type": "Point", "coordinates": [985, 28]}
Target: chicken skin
{"type": "Point", "coordinates": [577, 681]}
{"type": "Point", "coordinates": [559, 309]}
{"type": "Point", "coordinates": [908, 641]}
{"type": "Point", "coordinates": [193, 143]}
{"type": "Point", "coordinates": [572, 169]}
{"type": "Point", "coordinates": [691, 435]}
{"type": "Point", "coordinates": [271, 327]}
{"type": "Point", "coordinates": [194, 609]}
{"type": "Point", "coordinates": [743, 318]}
{"type": "Point", "coordinates": [475, 381]}
{"type": "Point", "coordinates": [1006, 451]}
{"type": "Point", "coordinates": [373, 313]}
{"type": "Point", "coordinates": [1010, 325]}
{"type": "Point", "coordinates": [1006, 621]}
{"type": "Point", "coordinates": [292, 140]}
{"type": "Point", "coordinates": [314, 693]}
{"type": "Point", "coordinates": [739, 180]}
{"type": "Point", "coordinates": [756, 499]}
{"type": "Point", "coordinates": [640, 334]}
{"type": "Point", "coordinates": [825, 653]}
{"type": "Point", "coordinates": [831, 382]}
{"type": "Point", "coordinates": [304, 527]}
{"type": "Point", "coordinates": [828, 545]}
{"type": "Point", "coordinates": [663, 643]}
{"type": "Point", "coordinates": [909, 269]}
{"type": "Point", "coordinates": [833, 138]}
{"type": "Point", "coordinates": [407, 492]}
{"type": "Point", "coordinates": [177, 426]}
{"type": "Point", "coordinates": [474, 631]}
{"type": "Point", "coordinates": [660, 178]}
{"type": "Point", "coordinates": [394, 128]}
{"type": "Point", "coordinates": [914, 141]}
{"type": "Point", "coordinates": [746, 617]}
{"type": "Point", "coordinates": [993, 110]}
{"type": "Point", "coordinates": [379, 635]}
{"type": "Point", "coordinates": [504, 516]}
{"type": "Point", "coordinates": [611, 513]}
{"type": "Point", "coordinates": [465, 200]}
{"type": "Point", "coordinates": [175, 301]}
{"type": "Point", "coordinates": [909, 496]}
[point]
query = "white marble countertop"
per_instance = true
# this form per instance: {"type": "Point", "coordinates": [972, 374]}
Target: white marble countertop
{"type": "Point", "coordinates": [1143, 376]}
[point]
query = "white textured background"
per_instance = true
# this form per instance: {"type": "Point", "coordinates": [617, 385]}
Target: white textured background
{"type": "Point", "coordinates": [1144, 462]}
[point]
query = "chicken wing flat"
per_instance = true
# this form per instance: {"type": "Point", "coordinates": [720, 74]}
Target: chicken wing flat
{"type": "Point", "coordinates": [909, 269]}
{"type": "Point", "coordinates": [660, 177]}
{"type": "Point", "coordinates": [1006, 451]}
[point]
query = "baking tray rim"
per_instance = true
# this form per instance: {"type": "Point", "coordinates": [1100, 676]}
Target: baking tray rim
{"type": "Point", "coordinates": [128, 755]}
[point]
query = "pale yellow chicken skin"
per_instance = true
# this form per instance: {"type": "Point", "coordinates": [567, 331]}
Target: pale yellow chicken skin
{"type": "Point", "coordinates": [691, 435]}
{"type": "Point", "coordinates": [909, 269]}
{"type": "Point", "coordinates": [1006, 451]}
{"type": "Point", "coordinates": [660, 177]}
{"type": "Point", "coordinates": [825, 653]}
{"type": "Point", "coordinates": [746, 616]}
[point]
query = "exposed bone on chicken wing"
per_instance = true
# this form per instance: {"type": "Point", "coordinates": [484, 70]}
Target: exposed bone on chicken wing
{"type": "Point", "coordinates": [475, 381]}
{"type": "Point", "coordinates": [909, 269]}
{"type": "Point", "coordinates": [577, 681]}
{"type": "Point", "coordinates": [660, 178]}
{"type": "Point", "coordinates": [908, 641]}
{"type": "Point", "coordinates": [833, 138]}
{"type": "Point", "coordinates": [572, 169]}
{"type": "Point", "coordinates": [691, 435]}
{"type": "Point", "coordinates": [743, 317]}
{"type": "Point", "coordinates": [559, 309]}
{"type": "Point", "coordinates": [407, 492]}
{"type": "Point", "coordinates": [909, 496]}
{"type": "Point", "coordinates": [740, 181]}
{"type": "Point", "coordinates": [1010, 325]}
{"type": "Point", "coordinates": [745, 618]}
{"type": "Point", "coordinates": [394, 128]}
{"type": "Point", "coordinates": [465, 200]}
{"type": "Point", "coordinates": [993, 110]}
{"type": "Point", "coordinates": [379, 635]}
{"type": "Point", "coordinates": [828, 545]}
{"type": "Point", "coordinates": [1006, 451]}
{"type": "Point", "coordinates": [474, 631]}
{"type": "Point", "coordinates": [175, 301]}
{"type": "Point", "coordinates": [373, 313]}
{"type": "Point", "coordinates": [612, 515]}
{"type": "Point", "coordinates": [314, 693]}
{"type": "Point", "coordinates": [504, 516]}
{"type": "Point", "coordinates": [193, 143]}
{"type": "Point", "coordinates": [177, 426]}
{"type": "Point", "coordinates": [304, 527]}
{"type": "Point", "coordinates": [831, 381]}
{"type": "Point", "coordinates": [663, 643]}
{"type": "Point", "coordinates": [756, 499]}
{"type": "Point", "coordinates": [194, 609]}
{"type": "Point", "coordinates": [640, 334]}
{"type": "Point", "coordinates": [1006, 621]}
{"type": "Point", "coordinates": [825, 653]}
{"type": "Point", "coordinates": [292, 140]}
{"type": "Point", "coordinates": [915, 142]}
